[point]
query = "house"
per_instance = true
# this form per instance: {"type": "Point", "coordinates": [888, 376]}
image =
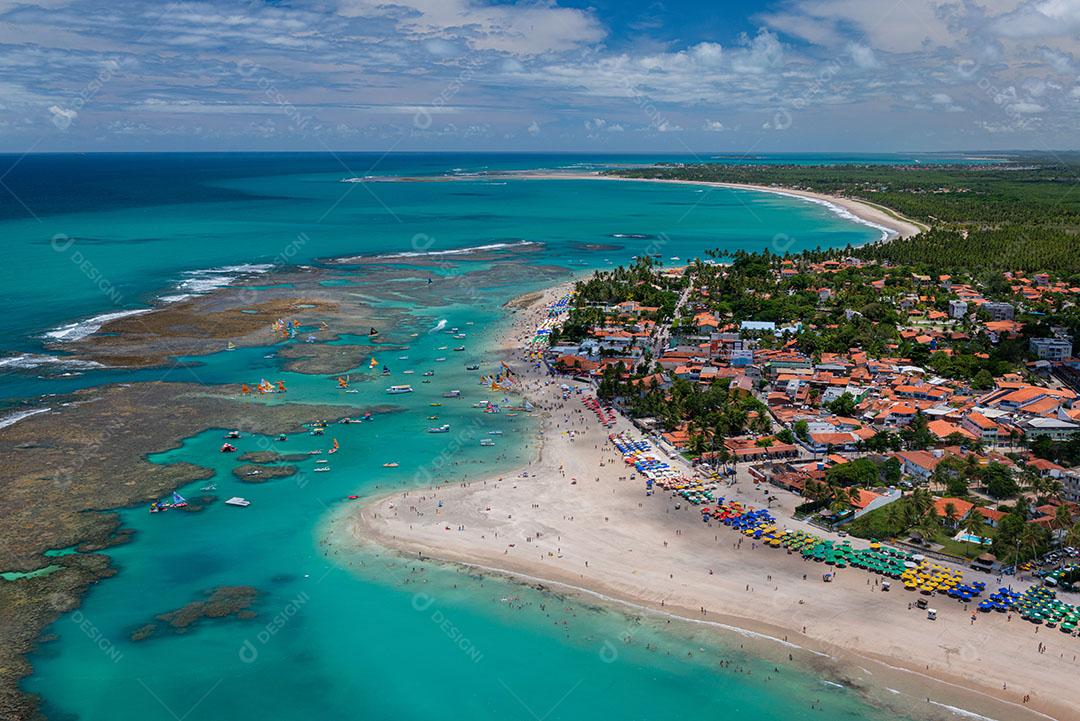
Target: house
{"type": "Point", "coordinates": [958, 506]}
{"type": "Point", "coordinates": [980, 427]}
{"type": "Point", "coordinates": [919, 464]}
{"type": "Point", "coordinates": [991, 517]}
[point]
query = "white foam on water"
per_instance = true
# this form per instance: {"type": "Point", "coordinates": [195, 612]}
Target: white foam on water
{"type": "Point", "coordinates": [14, 418]}
{"type": "Point", "coordinates": [82, 328]}
{"type": "Point", "coordinates": [457, 251]}
{"type": "Point", "coordinates": [199, 282]}
{"type": "Point", "coordinates": [36, 360]}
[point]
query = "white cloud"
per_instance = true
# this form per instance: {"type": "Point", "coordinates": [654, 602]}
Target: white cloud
{"type": "Point", "coordinates": [525, 29]}
{"type": "Point", "coordinates": [1040, 19]}
{"type": "Point", "coordinates": [863, 56]}
{"type": "Point", "coordinates": [534, 128]}
{"type": "Point", "coordinates": [714, 126]}
{"type": "Point", "coordinates": [62, 117]}
{"type": "Point", "coordinates": [1025, 107]}
{"type": "Point", "coordinates": [665, 127]}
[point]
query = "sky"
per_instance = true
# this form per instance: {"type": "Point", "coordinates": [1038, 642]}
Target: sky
{"type": "Point", "coordinates": [549, 75]}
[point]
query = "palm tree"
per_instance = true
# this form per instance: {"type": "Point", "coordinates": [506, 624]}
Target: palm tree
{"type": "Point", "coordinates": [928, 527]}
{"type": "Point", "coordinates": [1072, 536]}
{"type": "Point", "coordinates": [921, 501]}
{"type": "Point", "coordinates": [951, 513]}
{"type": "Point", "coordinates": [1062, 517]}
{"type": "Point", "coordinates": [973, 526]}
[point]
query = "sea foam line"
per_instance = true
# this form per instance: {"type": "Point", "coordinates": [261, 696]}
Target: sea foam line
{"type": "Point", "coordinates": [456, 251]}
{"type": "Point", "coordinates": [14, 418]}
{"type": "Point", "coordinates": [200, 282]}
{"type": "Point", "coordinates": [82, 328]}
{"type": "Point", "coordinates": [195, 282]}
{"type": "Point", "coordinates": [35, 360]}
{"type": "Point", "coordinates": [886, 232]}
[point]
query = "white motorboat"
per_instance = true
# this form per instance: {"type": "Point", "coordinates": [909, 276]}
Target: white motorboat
{"type": "Point", "coordinates": [393, 390]}
{"type": "Point", "coordinates": [238, 501]}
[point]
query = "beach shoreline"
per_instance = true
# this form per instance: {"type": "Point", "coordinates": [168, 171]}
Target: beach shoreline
{"type": "Point", "coordinates": [864, 212]}
{"type": "Point", "coordinates": [892, 224]}
{"type": "Point", "coordinates": [638, 553]}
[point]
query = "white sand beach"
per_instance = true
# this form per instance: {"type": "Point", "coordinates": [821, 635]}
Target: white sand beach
{"type": "Point", "coordinates": [575, 518]}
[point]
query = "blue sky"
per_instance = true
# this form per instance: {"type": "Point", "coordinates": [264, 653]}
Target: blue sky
{"type": "Point", "coordinates": [600, 75]}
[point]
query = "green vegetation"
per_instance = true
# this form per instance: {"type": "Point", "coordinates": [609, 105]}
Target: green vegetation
{"type": "Point", "coordinates": [1020, 215]}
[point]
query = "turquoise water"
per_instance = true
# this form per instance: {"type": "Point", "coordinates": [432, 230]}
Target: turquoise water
{"type": "Point", "coordinates": [342, 633]}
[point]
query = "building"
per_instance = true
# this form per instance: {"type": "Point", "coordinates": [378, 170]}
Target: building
{"type": "Point", "coordinates": [1052, 349]}
{"type": "Point", "coordinates": [1053, 428]}
{"type": "Point", "coordinates": [957, 308]}
{"type": "Point", "coordinates": [999, 311]}
{"type": "Point", "coordinates": [981, 427]}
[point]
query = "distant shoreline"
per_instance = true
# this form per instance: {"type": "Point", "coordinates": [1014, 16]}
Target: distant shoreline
{"type": "Point", "coordinates": [891, 223]}
{"type": "Point", "coordinates": [867, 213]}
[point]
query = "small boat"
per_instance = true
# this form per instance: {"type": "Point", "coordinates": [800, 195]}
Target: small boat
{"type": "Point", "coordinates": [452, 394]}
{"type": "Point", "coordinates": [209, 487]}
{"type": "Point", "coordinates": [385, 371]}
{"type": "Point", "coordinates": [316, 452]}
{"type": "Point", "coordinates": [486, 442]}
{"type": "Point", "coordinates": [372, 333]}
{"type": "Point", "coordinates": [228, 448]}
{"type": "Point", "coordinates": [428, 374]}
{"type": "Point", "coordinates": [238, 501]}
{"type": "Point", "coordinates": [440, 359]}
{"type": "Point", "coordinates": [473, 367]}
{"type": "Point", "coordinates": [394, 390]}
{"type": "Point", "coordinates": [322, 469]}
{"type": "Point", "coordinates": [442, 347]}
{"type": "Point", "coordinates": [435, 405]}
{"type": "Point", "coordinates": [232, 434]}
{"type": "Point", "coordinates": [459, 348]}
{"type": "Point", "coordinates": [230, 346]}
{"type": "Point", "coordinates": [403, 357]}
{"type": "Point", "coordinates": [408, 372]}
{"type": "Point", "coordinates": [444, 428]}
{"type": "Point", "coordinates": [367, 416]}
{"type": "Point", "coordinates": [459, 336]}
{"type": "Point", "coordinates": [494, 433]}
{"type": "Point", "coordinates": [389, 465]}
{"type": "Point", "coordinates": [282, 437]}
{"type": "Point", "coordinates": [322, 460]}
{"type": "Point", "coordinates": [177, 501]}
{"type": "Point", "coordinates": [425, 381]}
{"type": "Point", "coordinates": [433, 418]}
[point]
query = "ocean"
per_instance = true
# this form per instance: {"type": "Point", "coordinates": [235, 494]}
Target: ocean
{"type": "Point", "coordinates": [340, 632]}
